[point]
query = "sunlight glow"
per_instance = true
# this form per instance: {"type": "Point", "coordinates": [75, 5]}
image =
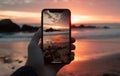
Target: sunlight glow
{"type": "Point", "coordinates": [81, 18]}
{"type": "Point", "coordinates": [18, 14]}
{"type": "Point", "coordinates": [58, 27]}
{"type": "Point", "coordinates": [77, 59]}
{"type": "Point", "coordinates": [35, 17]}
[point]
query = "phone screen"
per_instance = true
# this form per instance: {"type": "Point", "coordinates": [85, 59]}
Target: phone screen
{"type": "Point", "coordinates": [56, 26]}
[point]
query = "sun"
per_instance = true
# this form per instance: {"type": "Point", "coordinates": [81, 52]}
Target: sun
{"type": "Point", "coordinates": [57, 27]}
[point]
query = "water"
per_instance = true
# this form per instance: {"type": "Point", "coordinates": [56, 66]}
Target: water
{"type": "Point", "coordinates": [96, 33]}
{"type": "Point", "coordinates": [76, 33]}
{"type": "Point", "coordinates": [95, 43]}
{"type": "Point", "coordinates": [15, 37]}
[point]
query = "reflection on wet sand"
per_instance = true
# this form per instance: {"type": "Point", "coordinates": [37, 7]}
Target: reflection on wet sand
{"type": "Point", "coordinates": [93, 58]}
{"type": "Point", "coordinates": [92, 49]}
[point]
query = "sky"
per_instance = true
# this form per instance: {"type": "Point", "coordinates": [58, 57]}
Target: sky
{"type": "Point", "coordinates": [56, 20]}
{"type": "Point", "coordinates": [82, 11]}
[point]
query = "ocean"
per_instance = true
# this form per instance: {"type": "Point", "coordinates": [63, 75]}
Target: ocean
{"type": "Point", "coordinates": [90, 44]}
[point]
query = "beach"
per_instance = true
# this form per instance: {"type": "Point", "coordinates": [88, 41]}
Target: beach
{"type": "Point", "coordinates": [89, 63]}
{"type": "Point", "coordinates": [95, 25]}
{"type": "Point", "coordinates": [97, 53]}
{"type": "Point", "coordinates": [83, 65]}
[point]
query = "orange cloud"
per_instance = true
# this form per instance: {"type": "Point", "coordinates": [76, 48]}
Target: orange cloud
{"type": "Point", "coordinates": [18, 14]}
{"type": "Point", "coordinates": [35, 17]}
{"type": "Point", "coordinates": [82, 18]}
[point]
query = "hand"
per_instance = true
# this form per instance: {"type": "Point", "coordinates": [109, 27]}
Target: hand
{"type": "Point", "coordinates": [36, 60]}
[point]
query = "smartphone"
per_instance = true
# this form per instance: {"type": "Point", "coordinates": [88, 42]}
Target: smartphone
{"type": "Point", "coordinates": [56, 35]}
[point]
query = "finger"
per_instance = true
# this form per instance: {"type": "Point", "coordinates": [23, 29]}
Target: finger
{"type": "Point", "coordinates": [72, 40]}
{"type": "Point", "coordinates": [72, 56]}
{"type": "Point", "coordinates": [72, 47]}
{"type": "Point", "coordinates": [35, 39]}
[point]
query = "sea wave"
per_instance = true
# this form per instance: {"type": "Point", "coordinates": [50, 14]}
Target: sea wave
{"type": "Point", "coordinates": [20, 36]}
{"type": "Point", "coordinates": [76, 33]}
{"type": "Point", "coordinates": [96, 34]}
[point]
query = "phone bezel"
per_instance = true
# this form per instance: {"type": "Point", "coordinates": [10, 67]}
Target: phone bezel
{"type": "Point", "coordinates": [57, 10]}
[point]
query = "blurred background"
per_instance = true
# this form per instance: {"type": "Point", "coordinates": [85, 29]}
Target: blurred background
{"type": "Point", "coordinates": [95, 26]}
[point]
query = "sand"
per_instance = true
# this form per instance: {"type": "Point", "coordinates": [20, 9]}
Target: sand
{"type": "Point", "coordinates": [96, 67]}
{"type": "Point", "coordinates": [12, 56]}
{"type": "Point", "coordinates": [104, 66]}
{"type": "Point", "coordinates": [101, 66]}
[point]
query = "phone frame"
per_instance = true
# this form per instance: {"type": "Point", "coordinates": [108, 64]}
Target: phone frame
{"type": "Point", "coordinates": [69, 30]}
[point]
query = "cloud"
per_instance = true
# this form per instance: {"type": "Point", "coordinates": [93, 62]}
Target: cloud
{"type": "Point", "coordinates": [37, 5]}
{"type": "Point", "coordinates": [21, 17]}
{"type": "Point", "coordinates": [77, 7]}
{"type": "Point", "coordinates": [12, 2]}
{"type": "Point", "coordinates": [19, 14]}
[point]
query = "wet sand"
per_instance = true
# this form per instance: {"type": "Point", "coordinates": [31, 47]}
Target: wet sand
{"type": "Point", "coordinates": [104, 66]}
{"type": "Point", "coordinates": [88, 62]}
{"type": "Point", "coordinates": [12, 56]}
{"type": "Point", "coordinates": [96, 67]}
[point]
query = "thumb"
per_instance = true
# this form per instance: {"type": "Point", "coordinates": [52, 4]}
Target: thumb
{"type": "Point", "coordinates": [35, 39]}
